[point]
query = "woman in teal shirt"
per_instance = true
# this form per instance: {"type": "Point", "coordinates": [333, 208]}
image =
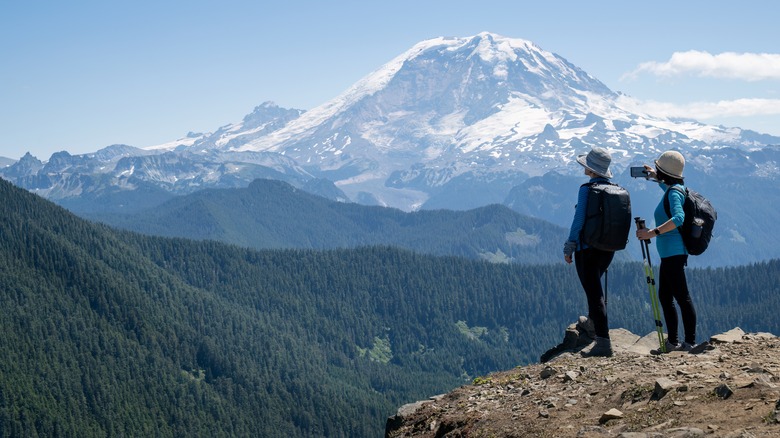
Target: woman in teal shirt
{"type": "Point", "coordinates": [673, 285]}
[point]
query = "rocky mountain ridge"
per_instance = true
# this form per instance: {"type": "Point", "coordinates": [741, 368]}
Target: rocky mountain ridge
{"type": "Point", "coordinates": [485, 110]}
{"type": "Point", "coordinates": [452, 123]}
{"type": "Point", "coordinates": [728, 387]}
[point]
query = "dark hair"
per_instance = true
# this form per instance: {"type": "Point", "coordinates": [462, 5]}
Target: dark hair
{"type": "Point", "coordinates": [667, 179]}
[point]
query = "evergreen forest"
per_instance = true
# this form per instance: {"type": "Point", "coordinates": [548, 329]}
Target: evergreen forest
{"type": "Point", "coordinates": [114, 333]}
{"type": "Point", "coordinates": [271, 214]}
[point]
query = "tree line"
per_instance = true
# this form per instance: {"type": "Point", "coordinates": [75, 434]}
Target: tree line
{"type": "Point", "coordinates": [113, 333]}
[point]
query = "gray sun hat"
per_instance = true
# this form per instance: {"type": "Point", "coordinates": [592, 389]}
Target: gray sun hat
{"type": "Point", "coordinates": [597, 161]}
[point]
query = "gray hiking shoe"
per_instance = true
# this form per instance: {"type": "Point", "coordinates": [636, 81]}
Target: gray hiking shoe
{"type": "Point", "coordinates": [687, 347]}
{"type": "Point", "coordinates": [602, 347]}
{"type": "Point", "coordinates": [700, 348]}
{"type": "Point", "coordinates": [670, 347]}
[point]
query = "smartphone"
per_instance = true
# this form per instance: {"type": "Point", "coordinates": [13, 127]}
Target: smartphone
{"type": "Point", "coordinates": [638, 172]}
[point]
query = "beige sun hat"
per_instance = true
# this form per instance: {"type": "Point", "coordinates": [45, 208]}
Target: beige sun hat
{"type": "Point", "coordinates": [597, 161]}
{"type": "Point", "coordinates": [671, 163]}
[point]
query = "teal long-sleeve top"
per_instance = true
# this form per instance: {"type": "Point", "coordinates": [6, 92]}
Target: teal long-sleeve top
{"type": "Point", "coordinates": [670, 243]}
{"type": "Point", "coordinates": [579, 213]}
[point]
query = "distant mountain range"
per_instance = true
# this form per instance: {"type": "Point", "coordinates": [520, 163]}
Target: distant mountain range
{"type": "Point", "coordinates": [274, 214]}
{"type": "Point", "coordinates": [454, 123]}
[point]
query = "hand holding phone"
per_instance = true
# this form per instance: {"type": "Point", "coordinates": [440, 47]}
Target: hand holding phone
{"type": "Point", "coordinates": [638, 172]}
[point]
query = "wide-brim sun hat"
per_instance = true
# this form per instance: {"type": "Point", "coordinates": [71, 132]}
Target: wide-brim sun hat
{"type": "Point", "coordinates": [597, 161]}
{"type": "Point", "coordinates": [671, 163]}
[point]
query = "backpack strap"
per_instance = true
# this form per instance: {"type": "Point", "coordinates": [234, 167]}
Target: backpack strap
{"type": "Point", "coordinates": [667, 207]}
{"type": "Point", "coordinates": [595, 183]}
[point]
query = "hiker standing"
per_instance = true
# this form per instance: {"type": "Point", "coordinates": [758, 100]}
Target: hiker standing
{"type": "Point", "coordinates": [673, 285]}
{"type": "Point", "coordinates": [591, 263]}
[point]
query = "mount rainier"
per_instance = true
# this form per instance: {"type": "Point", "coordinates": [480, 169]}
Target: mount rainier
{"type": "Point", "coordinates": [451, 123]}
{"type": "Point", "coordinates": [486, 107]}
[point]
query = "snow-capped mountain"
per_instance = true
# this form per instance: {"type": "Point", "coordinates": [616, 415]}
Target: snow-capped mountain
{"type": "Point", "coordinates": [266, 118]}
{"type": "Point", "coordinates": [450, 113]}
{"type": "Point", "coordinates": [451, 123]}
{"type": "Point", "coordinates": [486, 107]}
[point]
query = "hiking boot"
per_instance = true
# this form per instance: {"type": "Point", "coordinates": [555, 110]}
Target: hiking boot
{"type": "Point", "coordinates": [586, 325]}
{"type": "Point", "coordinates": [602, 347]}
{"type": "Point", "coordinates": [669, 348]}
{"type": "Point", "coordinates": [700, 348]}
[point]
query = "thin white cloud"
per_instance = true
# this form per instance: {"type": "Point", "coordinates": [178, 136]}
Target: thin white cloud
{"type": "Point", "coordinates": [731, 65]}
{"type": "Point", "coordinates": [706, 110]}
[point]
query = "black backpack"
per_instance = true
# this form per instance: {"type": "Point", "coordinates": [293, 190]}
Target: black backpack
{"type": "Point", "coordinates": [607, 217]}
{"type": "Point", "coordinates": [700, 217]}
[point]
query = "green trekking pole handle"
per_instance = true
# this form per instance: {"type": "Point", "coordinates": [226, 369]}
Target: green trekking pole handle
{"type": "Point", "coordinates": [645, 244]}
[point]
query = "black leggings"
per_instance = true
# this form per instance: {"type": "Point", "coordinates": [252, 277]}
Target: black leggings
{"type": "Point", "coordinates": [672, 287]}
{"type": "Point", "coordinates": [591, 264]}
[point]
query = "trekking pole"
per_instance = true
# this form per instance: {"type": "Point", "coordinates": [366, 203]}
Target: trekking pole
{"type": "Point", "coordinates": [606, 283]}
{"type": "Point", "coordinates": [640, 224]}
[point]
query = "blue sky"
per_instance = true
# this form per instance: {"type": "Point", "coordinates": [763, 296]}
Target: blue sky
{"type": "Point", "coordinates": [81, 75]}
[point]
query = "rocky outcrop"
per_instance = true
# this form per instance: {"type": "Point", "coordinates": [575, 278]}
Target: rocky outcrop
{"type": "Point", "coordinates": [728, 387]}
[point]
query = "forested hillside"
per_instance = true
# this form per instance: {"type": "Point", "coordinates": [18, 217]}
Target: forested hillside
{"type": "Point", "coordinates": [272, 214]}
{"type": "Point", "coordinates": [115, 333]}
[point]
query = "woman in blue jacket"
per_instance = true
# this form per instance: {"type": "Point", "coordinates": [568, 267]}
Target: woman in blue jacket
{"type": "Point", "coordinates": [591, 262]}
{"type": "Point", "coordinates": [673, 285]}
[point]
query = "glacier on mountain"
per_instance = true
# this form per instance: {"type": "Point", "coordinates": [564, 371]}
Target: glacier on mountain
{"type": "Point", "coordinates": [448, 114]}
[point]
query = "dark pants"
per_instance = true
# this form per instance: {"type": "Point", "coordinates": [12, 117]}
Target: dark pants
{"type": "Point", "coordinates": [672, 286]}
{"type": "Point", "coordinates": [591, 264]}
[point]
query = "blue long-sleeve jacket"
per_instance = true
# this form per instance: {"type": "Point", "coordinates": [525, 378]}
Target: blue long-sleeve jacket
{"type": "Point", "coordinates": [670, 243]}
{"type": "Point", "coordinates": [579, 213]}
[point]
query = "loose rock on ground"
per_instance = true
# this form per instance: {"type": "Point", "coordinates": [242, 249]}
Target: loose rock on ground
{"type": "Point", "coordinates": [730, 388]}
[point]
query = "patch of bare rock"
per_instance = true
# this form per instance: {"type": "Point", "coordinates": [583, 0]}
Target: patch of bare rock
{"type": "Point", "coordinates": [728, 387]}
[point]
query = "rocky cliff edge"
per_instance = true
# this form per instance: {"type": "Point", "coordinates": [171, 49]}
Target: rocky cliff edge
{"type": "Point", "coordinates": [728, 387]}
